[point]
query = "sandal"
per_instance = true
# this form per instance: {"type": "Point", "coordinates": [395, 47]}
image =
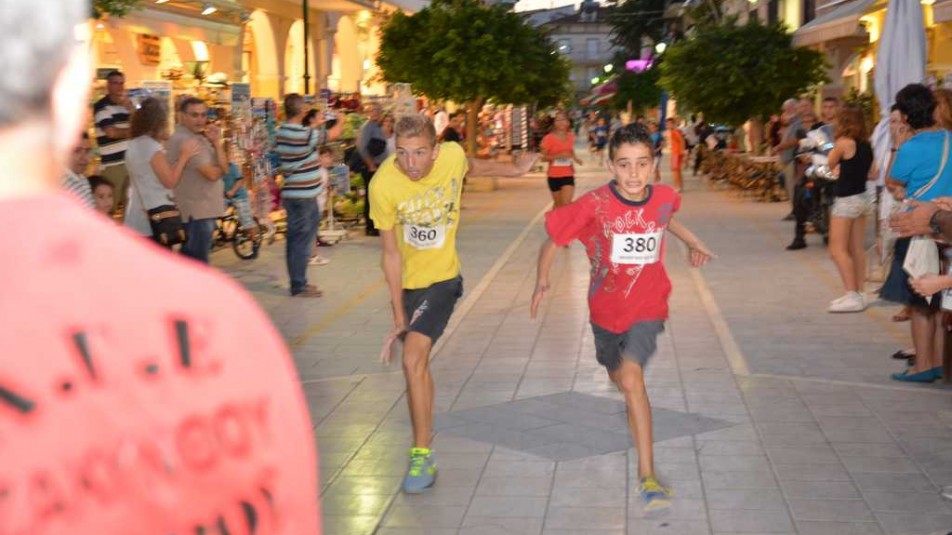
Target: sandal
{"type": "Point", "coordinates": [901, 316]}
{"type": "Point", "coordinates": [902, 354]}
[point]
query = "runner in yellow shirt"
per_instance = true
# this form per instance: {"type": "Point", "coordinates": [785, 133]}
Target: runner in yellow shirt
{"type": "Point", "coordinates": [415, 202]}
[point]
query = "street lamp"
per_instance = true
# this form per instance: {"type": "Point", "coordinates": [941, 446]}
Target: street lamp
{"type": "Point", "coordinates": [608, 68]}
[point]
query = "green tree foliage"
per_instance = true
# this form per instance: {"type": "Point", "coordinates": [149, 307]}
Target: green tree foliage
{"type": "Point", "coordinates": [463, 51]}
{"type": "Point", "coordinates": [735, 72]}
{"type": "Point", "coordinates": [634, 20]}
{"type": "Point", "coordinates": [641, 89]}
{"type": "Point", "coordinates": [115, 8]}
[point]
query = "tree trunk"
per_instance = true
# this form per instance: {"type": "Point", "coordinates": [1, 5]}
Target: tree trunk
{"type": "Point", "coordinates": [472, 119]}
{"type": "Point", "coordinates": [756, 135]}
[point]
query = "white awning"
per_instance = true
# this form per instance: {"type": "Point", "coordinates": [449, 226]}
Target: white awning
{"type": "Point", "coordinates": [942, 11]}
{"type": "Point", "coordinates": [840, 22]}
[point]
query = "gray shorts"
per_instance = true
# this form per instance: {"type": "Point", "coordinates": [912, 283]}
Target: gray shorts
{"type": "Point", "coordinates": [854, 206]}
{"type": "Point", "coordinates": [428, 309]}
{"type": "Point", "coordinates": [637, 344]}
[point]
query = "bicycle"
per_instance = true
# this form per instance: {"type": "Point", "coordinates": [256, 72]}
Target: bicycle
{"type": "Point", "coordinates": [228, 229]}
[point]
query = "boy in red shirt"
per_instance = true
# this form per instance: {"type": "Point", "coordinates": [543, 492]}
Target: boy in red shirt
{"type": "Point", "coordinates": [622, 225]}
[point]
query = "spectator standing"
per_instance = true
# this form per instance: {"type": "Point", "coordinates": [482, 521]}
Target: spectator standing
{"type": "Point", "coordinates": [853, 156]}
{"type": "Point", "coordinates": [372, 146]}
{"type": "Point", "coordinates": [790, 134]}
{"type": "Point", "coordinates": [148, 354]}
{"type": "Point", "coordinates": [920, 172]}
{"type": "Point", "coordinates": [111, 114]}
{"type": "Point", "coordinates": [103, 192]}
{"type": "Point", "coordinates": [74, 181]}
{"type": "Point", "coordinates": [152, 176]}
{"type": "Point", "coordinates": [297, 146]}
{"type": "Point", "coordinates": [441, 119]}
{"type": "Point", "coordinates": [454, 131]}
{"type": "Point", "coordinates": [678, 153]}
{"type": "Point", "coordinates": [200, 195]}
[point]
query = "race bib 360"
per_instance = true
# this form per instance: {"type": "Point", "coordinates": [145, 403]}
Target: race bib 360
{"type": "Point", "coordinates": [424, 237]}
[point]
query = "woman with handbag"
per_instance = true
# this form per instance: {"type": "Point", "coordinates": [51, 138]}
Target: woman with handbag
{"type": "Point", "coordinates": [920, 172]}
{"type": "Point", "coordinates": [152, 177]}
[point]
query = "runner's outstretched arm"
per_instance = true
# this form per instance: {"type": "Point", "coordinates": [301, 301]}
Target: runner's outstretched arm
{"type": "Point", "coordinates": [699, 255]}
{"type": "Point", "coordinates": [546, 258]}
{"type": "Point", "coordinates": [481, 168]}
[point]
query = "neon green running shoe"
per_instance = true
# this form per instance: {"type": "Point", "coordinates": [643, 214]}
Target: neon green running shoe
{"type": "Point", "coordinates": [422, 472]}
{"type": "Point", "coordinates": [656, 497]}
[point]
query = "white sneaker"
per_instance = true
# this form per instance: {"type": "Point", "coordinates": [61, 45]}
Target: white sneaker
{"type": "Point", "coordinates": [318, 261]}
{"type": "Point", "coordinates": [851, 302]}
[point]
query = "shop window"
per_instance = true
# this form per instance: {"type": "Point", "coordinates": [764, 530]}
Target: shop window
{"type": "Point", "coordinates": [773, 12]}
{"type": "Point", "coordinates": [809, 10]}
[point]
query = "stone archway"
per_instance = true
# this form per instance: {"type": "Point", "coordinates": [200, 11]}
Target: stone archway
{"type": "Point", "coordinates": [294, 60]}
{"type": "Point", "coordinates": [346, 67]}
{"type": "Point", "coordinates": [262, 71]}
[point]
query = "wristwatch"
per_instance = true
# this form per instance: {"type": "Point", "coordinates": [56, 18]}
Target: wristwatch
{"type": "Point", "coordinates": [934, 225]}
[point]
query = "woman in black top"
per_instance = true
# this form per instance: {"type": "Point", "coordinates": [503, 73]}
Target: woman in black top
{"type": "Point", "coordinates": [852, 156]}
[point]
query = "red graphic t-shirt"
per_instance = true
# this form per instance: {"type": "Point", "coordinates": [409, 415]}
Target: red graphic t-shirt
{"type": "Point", "coordinates": [625, 243]}
{"type": "Point", "coordinates": [139, 391]}
{"type": "Point", "coordinates": [560, 167]}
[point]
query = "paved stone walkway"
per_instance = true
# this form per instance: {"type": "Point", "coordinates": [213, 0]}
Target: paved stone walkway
{"type": "Point", "coordinates": [771, 415]}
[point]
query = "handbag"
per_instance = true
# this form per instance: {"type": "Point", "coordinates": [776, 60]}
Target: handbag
{"type": "Point", "coordinates": [923, 255]}
{"type": "Point", "coordinates": [165, 222]}
{"type": "Point", "coordinates": [167, 226]}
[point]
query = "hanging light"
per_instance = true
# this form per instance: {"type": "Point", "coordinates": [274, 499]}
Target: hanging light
{"type": "Point", "coordinates": [594, 80]}
{"type": "Point", "coordinates": [661, 47]}
{"type": "Point", "coordinates": [208, 9]}
{"type": "Point", "coordinates": [609, 67]}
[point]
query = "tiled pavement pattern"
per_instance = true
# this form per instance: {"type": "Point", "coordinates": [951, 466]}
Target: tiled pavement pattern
{"type": "Point", "coordinates": [815, 440]}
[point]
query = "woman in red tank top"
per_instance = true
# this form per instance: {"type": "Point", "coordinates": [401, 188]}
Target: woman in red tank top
{"type": "Point", "coordinates": [558, 148]}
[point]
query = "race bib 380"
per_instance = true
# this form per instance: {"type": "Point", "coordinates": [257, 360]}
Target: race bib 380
{"type": "Point", "coordinates": [637, 248]}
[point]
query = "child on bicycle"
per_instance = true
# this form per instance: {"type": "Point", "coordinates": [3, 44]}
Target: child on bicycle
{"type": "Point", "coordinates": [622, 225]}
{"type": "Point", "coordinates": [236, 195]}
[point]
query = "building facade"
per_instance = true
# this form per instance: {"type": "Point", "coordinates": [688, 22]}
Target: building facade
{"type": "Point", "coordinates": [584, 38]}
{"type": "Point", "coordinates": [260, 42]}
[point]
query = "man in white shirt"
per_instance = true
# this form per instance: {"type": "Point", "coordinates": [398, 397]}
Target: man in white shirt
{"type": "Point", "coordinates": [75, 181]}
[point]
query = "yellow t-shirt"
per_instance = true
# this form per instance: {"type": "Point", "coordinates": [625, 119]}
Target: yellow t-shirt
{"type": "Point", "coordinates": [424, 214]}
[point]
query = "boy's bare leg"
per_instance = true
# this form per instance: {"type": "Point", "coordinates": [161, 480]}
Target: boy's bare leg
{"type": "Point", "coordinates": [630, 380]}
{"type": "Point", "coordinates": [416, 369]}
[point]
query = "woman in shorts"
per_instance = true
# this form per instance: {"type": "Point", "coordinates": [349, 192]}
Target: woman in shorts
{"type": "Point", "coordinates": [558, 148]}
{"type": "Point", "coordinates": [853, 155]}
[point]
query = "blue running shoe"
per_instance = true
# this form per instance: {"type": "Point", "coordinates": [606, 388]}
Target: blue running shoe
{"type": "Point", "coordinates": [656, 497]}
{"type": "Point", "coordinates": [422, 472]}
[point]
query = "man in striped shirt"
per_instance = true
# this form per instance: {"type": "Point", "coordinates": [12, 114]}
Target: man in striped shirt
{"type": "Point", "coordinates": [111, 114]}
{"type": "Point", "coordinates": [297, 146]}
{"type": "Point", "coordinates": [74, 181]}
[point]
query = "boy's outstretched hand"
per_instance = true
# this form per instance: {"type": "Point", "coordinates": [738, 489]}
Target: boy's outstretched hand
{"type": "Point", "coordinates": [537, 296]}
{"type": "Point", "coordinates": [699, 254]}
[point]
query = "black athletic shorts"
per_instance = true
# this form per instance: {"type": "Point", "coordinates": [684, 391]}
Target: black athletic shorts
{"type": "Point", "coordinates": [637, 344]}
{"type": "Point", "coordinates": [555, 184]}
{"type": "Point", "coordinates": [428, 309]}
